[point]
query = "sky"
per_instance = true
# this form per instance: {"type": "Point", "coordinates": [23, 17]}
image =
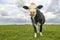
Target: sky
{"type": "Point", "coordinates": [12, 12]}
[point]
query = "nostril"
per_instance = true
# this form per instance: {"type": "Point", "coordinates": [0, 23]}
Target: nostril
{"type": "Point", "coordinates": [32, 12]}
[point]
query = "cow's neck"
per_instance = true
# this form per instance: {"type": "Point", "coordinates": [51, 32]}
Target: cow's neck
{"type": "Point", "coordinates": [33, 17]}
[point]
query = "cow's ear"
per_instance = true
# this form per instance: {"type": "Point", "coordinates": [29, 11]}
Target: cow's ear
{"type": "Point", "coordinates": [39, 7]}
{"type": "Point", "coordinates": [25, 7]}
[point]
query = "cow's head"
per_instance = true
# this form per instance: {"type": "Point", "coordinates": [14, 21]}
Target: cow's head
{"type": "Point", "coordinates": [32, 8]}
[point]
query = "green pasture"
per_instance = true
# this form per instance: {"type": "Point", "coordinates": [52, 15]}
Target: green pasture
{"type": "Point", "coordinates": [25, 32]}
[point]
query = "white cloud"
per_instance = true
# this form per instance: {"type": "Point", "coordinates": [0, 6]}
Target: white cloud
{"type": "Point", "coordinates": [13, 11]}
{"type": "Point", "coordinates": [8, 1]}
{"type": "Point", "coordinates": [59, 18]}
{"type": "Point", "coordinates": [45, 3]}
{"type": "Point", "coordinates": [38, 2]}
{"type": "Point", "coordinates": [50, 15]}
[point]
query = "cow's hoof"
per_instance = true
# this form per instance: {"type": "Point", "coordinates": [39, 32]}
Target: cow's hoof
{"type": "Point", "coordinates": [35, 35]}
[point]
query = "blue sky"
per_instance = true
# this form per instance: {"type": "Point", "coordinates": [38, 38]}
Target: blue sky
{"type": "Point", "coordinates": [11, 11]}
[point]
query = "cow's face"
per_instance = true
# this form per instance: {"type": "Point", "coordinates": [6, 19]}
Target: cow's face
{"type": "Point", "coordinates": [32, 8]}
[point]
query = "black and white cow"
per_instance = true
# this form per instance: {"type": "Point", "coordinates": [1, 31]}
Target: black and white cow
{"type": "Point", "coordinates": [37, 17]}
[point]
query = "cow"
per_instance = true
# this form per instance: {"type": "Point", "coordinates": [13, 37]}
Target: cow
{"type": "Point", "coordinates": [37, 17]}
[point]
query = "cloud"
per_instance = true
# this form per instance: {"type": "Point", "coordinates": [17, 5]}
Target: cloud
{"type": "Point", "coordinates": [13, 14]}
{"type": "Point", "coordinates": [10, 12]}
{"type": "Point", "coordinates": [8, 1]}
{"type": "Point", "coordinates": [50, 15]}
{"type": "Point", "coordinates": [13, 20]}
{"type": "Point", "coordinates": [45, 3]}
{"type": "Point", "coordinates": [54, 21]}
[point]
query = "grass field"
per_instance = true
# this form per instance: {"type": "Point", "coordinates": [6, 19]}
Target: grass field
{"type": "Point", "coordinates": [25, 32]}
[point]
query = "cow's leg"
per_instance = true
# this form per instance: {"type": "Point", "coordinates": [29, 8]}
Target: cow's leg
{"type": "Point", "coordinates": [37, 26]}
{"type": "Point", "coordinates": [35, 30]}
{"type": "Point", "coordinates": [41, 29]}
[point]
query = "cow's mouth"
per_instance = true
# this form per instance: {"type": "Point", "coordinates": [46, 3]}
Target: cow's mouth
{"type": "Point", "coordinates": [32, 14]}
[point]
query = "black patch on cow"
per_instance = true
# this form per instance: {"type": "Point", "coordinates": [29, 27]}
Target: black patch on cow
{"type": "Point", "coordinates": [39, 7]}
{"type": "Point", "coordinates": [25, 7]}
{"type": "Point", "coordinates": [39, 17]}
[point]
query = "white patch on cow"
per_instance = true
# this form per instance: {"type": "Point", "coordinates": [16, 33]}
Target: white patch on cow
{"type": "Point", "coordinates": [41, 33]}
{"type": "Point", "coordinates": [33, 16]}
{"type": "Point", "coordinates": [35, 35]}
{"type": "Point", "coordinates": [32, 9]}
{"type": "Point", "coordinates": [37, 27]}
{"type": "Point", "coordinates": [38, 24]}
